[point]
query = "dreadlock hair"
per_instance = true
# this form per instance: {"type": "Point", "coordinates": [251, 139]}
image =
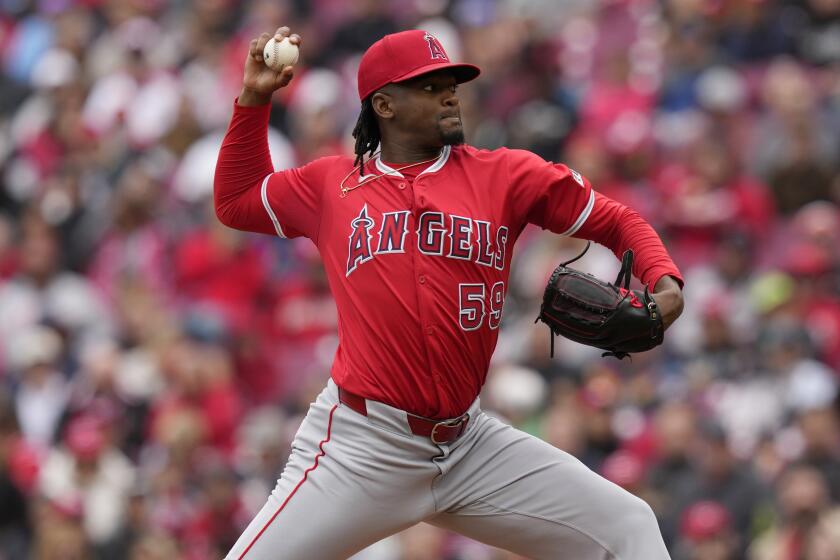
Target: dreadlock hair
{"type": "Point", "coordinates": [366, 134]}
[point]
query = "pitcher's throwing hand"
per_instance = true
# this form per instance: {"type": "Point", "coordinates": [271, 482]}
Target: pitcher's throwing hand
{"type": "Point", "coordinates": [260, 81]}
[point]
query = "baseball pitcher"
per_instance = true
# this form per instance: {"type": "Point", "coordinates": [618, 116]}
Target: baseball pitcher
{"type": "Point", "coordinates": [416, 235]}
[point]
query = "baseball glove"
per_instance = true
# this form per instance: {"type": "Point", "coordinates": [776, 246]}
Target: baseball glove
{"type": "Point", "coordinates": [596, 313]}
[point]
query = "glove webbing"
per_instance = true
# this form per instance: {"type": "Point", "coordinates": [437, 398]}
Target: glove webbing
{"type": "Point", "coordinates": [624, 275]}
{"type": "Point", "coordinates": [551, 333]}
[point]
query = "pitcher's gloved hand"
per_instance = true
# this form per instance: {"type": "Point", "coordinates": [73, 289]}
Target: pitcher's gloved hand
{"type": "Point", "coordinates": [591, 311]}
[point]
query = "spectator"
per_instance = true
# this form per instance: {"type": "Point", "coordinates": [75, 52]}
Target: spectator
{"type": "Point", "coordinates": [795, 142]}
{"type": "Point", "coordinates": [803, 498]}
{"type": "Point", "coordinates": [672, 470]}
{"type": "Point", "coordinates": [42, 393]}
{"type": "Point", "coordinates": [721, 477]}
{"type": "Point", "coordinates": [706, 533]}
{"type": "Point", "coordinates": [14, 522]}
{"type": "Point", "coordinates": [824, 540]}
{"type": "Point", "coordinates": [820, 429]}
{"type": "Point", "coordinates": [89, 472]}
{"type": "Point", "coordinates": [43, 291]}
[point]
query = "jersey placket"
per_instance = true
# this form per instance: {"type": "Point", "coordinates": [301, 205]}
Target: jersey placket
{"type": "Point", "coordinates": [418, 197]}
{"type": "Point", "coordinates": [422, 283]}
{"type": "Point", "coordinates": [425, 284]}
{"type": "Point", "coordinates": [419, 278]}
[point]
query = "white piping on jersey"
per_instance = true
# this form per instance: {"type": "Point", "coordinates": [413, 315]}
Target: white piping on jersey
{"type": "Point", "coordinates": [387, 169]}
{"type": "Point", "coordinates": [268, 208]}
{"type": "Point", "coordinates": [436, 166]}
{"type": "Point", "coordinates": [441, 161]}
{"type": "Point", "coordinates": [366, 177]}
{"type": "Point", "coordinates": [583, 215]}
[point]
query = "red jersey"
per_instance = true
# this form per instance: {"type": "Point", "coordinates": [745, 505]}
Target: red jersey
{"type": "Point", "coordinates": [419, 267]}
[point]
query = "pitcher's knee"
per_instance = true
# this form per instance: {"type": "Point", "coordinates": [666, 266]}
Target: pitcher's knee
{"type": "Point", "coordinates": [639, 516]}
{"type": "Point", "coordinates": [637, 534]}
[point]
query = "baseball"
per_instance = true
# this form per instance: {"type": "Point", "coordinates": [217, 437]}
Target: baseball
{"type": "Point", "coordinates": [277, 54]}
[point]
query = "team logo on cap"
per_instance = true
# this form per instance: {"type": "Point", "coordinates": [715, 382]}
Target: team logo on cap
{"type": "Point", "coordinates": [435, 47]}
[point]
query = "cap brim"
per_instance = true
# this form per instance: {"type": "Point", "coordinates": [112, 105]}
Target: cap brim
{"type": "Point", "coordinates": [462, 72]}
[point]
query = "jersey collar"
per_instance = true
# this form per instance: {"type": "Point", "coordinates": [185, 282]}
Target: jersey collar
{"type": "Point", "coordinates": [437, 165]}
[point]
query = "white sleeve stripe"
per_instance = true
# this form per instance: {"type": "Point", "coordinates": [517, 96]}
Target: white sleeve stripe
{"type": "Point", "coordinates": [268, 208]}
{"type": "Point", "coordinates": [583, 215]}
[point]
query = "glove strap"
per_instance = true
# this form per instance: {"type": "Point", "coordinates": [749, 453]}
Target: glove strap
{"type": "Point", "coordinates": [551, 337]}
{"type": "Point", "coordinates": [551, 334]}
{"type": "Point", "coordinates": [626, 271]}
{"type": "Point", "coordinates": [658, 332]}
{"type": "Point", "coordinates": [570, 261]}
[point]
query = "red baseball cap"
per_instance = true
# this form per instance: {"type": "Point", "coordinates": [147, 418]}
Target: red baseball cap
{"type": "Point", "coordinates": [84, 437]}
{"type": "Point", "coordinates": [405, 55]}
{"type": "Point", "coordinates": [703, 520]}
{"type": "Point", "coordinates": [624, 469]}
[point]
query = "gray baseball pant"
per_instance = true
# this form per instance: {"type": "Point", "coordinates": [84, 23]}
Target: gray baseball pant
{"type": "Point", "coordinates": [352, 480]}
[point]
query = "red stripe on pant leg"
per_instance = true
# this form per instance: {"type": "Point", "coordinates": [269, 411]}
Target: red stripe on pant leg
{"type": "Point", "coordinates": [322, 453]}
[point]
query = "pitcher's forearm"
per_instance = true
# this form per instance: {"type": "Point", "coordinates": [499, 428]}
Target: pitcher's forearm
{"type": "Point", "coordinates": [620, 228]}
{"type": "Point", "coordinates": [243, 163]}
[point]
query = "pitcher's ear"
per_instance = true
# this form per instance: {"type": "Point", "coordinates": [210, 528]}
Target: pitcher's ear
{"type": "Point", "coordinates": [382, 104]}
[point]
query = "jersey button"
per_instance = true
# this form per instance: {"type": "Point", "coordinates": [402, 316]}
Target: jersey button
{"type": "Point", "coordinates": [422, 279]}
{"type": "Point", "coordinates": [422, 200]}
{"type": "Point", "coordinates": [402, 185]}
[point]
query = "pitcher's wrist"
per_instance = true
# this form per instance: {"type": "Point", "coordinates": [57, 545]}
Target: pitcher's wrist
{"type": "Point", "coordinates": [252, 98]}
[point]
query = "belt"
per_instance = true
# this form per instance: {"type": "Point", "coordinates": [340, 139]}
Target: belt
{"type": "Point", "coordinates": [441, 432]}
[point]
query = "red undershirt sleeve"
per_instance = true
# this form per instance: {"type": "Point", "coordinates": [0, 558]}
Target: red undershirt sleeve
{"type": "Point", "coordinates": [620, 228]}
{"type": "Point", "coordinates": [244, 162]}
{"type": "Point", "coordinates": [557, 198]}
{"type": "Point", "coordinates": [250, 196]}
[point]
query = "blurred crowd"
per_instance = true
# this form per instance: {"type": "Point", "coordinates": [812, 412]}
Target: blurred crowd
{"type": "Point", "coordinates": [154, 365]}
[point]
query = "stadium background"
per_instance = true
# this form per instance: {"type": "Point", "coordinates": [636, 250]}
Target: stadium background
{"type": "Point", "coordinates": [154, 365]}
